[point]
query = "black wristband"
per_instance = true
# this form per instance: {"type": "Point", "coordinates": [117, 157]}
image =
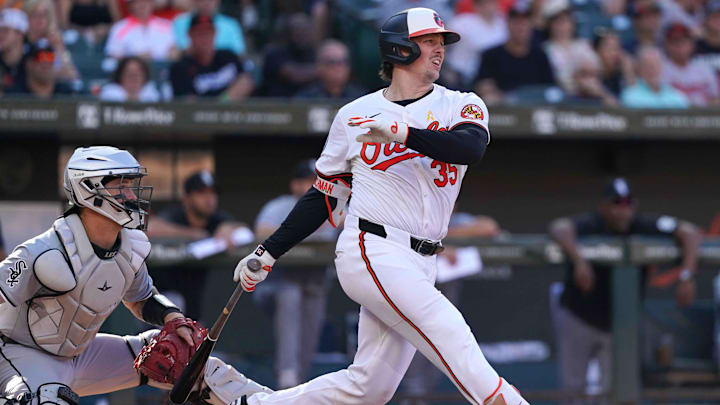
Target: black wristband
{"type": "Point", "coordinates": [156, 308]}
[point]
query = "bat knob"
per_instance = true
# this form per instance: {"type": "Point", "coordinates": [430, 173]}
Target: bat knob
{"type": "Point", "coordinates": [254, 265]}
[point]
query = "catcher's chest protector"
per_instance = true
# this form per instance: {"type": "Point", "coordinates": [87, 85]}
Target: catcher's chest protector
{"type": "Point", "coordinates": [65, 324]}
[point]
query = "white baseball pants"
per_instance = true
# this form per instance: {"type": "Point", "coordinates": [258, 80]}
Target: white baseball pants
{"type": "Point", "coordinates": [401, 311]}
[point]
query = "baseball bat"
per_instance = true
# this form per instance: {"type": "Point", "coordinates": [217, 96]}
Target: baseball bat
{"type": "Point", "coordinates": [181, 390]}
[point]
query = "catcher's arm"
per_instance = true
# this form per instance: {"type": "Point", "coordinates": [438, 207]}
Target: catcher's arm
{"type": "Point", "coordinates": [159, 310]}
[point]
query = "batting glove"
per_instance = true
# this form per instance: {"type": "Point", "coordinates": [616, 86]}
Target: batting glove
{"type": "Point", "coordinates": [380, 131]}
{"type": "Point", "coordinates": [249, 278]}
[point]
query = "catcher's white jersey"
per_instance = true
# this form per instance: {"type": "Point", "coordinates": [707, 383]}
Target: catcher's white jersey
{"type": "Point", "coordinates": [392, 184]}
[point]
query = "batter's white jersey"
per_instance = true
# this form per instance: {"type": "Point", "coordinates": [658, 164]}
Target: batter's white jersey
{"type": "Point", "coordinates": [392, 184]}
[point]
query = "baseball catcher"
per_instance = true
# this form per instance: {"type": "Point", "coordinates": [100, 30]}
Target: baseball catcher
{"type": "Point", "coordinates": [57, 289]}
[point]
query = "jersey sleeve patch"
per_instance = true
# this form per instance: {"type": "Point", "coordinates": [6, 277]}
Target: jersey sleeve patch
{"type": "Point", "coordinates": [472, 112]}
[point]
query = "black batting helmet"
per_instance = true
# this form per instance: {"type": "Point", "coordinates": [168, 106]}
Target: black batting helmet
{"type": "Point", "coordinates": [397, 30]}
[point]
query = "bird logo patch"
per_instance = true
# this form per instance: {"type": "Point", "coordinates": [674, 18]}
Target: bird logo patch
{"type": "Point", "coordinates": [471, 112]}
{"type": "Point", "coordinates": [438, 20]}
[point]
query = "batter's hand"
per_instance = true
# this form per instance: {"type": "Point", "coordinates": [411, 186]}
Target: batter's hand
{"type": "Point", "coordinates": [247, 277]}
{"type": "Point", "coordinates": [380, 131]}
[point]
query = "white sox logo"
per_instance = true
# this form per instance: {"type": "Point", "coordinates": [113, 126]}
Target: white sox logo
{"type": "Point", "coordinates": [15, 273]}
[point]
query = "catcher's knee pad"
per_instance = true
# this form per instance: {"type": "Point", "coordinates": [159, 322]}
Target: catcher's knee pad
{"type": "Point", "coordinates": [47, 394]}
{"type": "Point", "coordinates": [57, 394]}
{"type": "Point", "coordinates": [226, 384]}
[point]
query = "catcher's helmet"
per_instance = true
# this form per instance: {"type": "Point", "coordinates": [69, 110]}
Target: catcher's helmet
{"type": "Point", "coordinates": [86, 178]}
{"type": "Point", "coordinates": [414, 22]}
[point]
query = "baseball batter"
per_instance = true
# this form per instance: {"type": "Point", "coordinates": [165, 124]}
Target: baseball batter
{"type": "Point", "coordinates": [57, 289]}
{"type": "Point", "coordinates": [402, 152]}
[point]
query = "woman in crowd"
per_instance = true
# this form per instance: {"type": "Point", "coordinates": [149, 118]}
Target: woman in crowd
{"type": "Point", "coordinates": [131, 82]}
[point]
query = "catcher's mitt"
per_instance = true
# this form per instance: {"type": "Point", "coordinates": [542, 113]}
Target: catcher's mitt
{"type": "Point", "coordinates": [167, 354]}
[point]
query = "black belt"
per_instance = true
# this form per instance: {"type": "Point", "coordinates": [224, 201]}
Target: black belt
{"type": "Point", "coordinates": [422, 246]}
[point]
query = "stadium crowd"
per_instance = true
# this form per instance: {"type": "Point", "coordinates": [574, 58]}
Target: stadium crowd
{"type": "Point", "coordinates": [634, 53]}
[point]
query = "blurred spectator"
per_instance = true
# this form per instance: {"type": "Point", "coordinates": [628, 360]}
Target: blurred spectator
{"type": "Point", "coordinates": [505, 67]}
{"type": "Point", "coordinates": [42, 24]}
{"type": "Point", "coordinates": [299, 292]}
{"type": "Point", "coordinates": [92, 18]}
{"type": "Point", "coordinates": [169, 9]}
{"type": "Point", "coordinates": [16, 4]}
{"type": "Point", "coordinates": [587, 86]}
{"type": "Point", "coordinates": [480, 30]}
{"type": "Point", "coordinates": [197, 217]}
{"type": "Point", "coordinates": [333, 67]}
{"type": "Point", "coordinates": [562, 47]}
{"type": "Point", "coordinates": [39, 79]}
{"type": "Point", "coordinates": [318, 11]}
{"type": "Point", "coordinates": [647, 24]}
{"type": "Point", "coordinates": [204, 71]}
{"type": "Point", "coordinates": [228, 34]}
{"type": "Point", "coordinates": [650, 91]}
{"type": "Point", "coordinates": [693, 77]}
{"type": "Point", "coordinates": [687, 12]}
{"type": "Point", "coordinates": [616, 65]}
{"type": "Point", "coordinates": [131, 82]}
{"type": "Point", "coordinates": [584, 318]}
{"type": "Point", "coordinates": [708, 47]}
{"type": "Point", "coordinates": [142, 34]}
{"type": "Point", "coordinates": [13, 25]}
{"type": "Point", "coordinates": [290, 65]}
{"type": "Point", "coordinates": [390, 7]}
{"type": "Point", "coordinates": [422, 376]}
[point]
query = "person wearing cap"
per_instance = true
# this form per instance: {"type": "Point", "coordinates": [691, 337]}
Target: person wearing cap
{"type": "Point", "coordinates": [333, 78]}
{"type": "Point", "coordinates": [392, 167]}
{"type": "Point", "coordinates": [583, 319]}
{"type": "Point", "coordinates": [693, 77]}
{"type": "Point", "coordinates": [13, 26]}
{"type": "Point", "coordinates": [142, 34]}
{"type": "Point", "coordinates": [228, 35]}
{"type": "Point", "coordinates": [650, 91]}
{"type": "Point", "coordinates": [39, 79]}
{"type": "Point", "coordinates": [197, 217]}
{"type": "Point", "coordinates": [42, 25]}
{"type": "Point", "coordinates": [647, 25]}
{"type": "Point", "coordinates": [504, 68]}
{"type": "Point", "coordinates": [708, 46]}
{"type": "Point", "coordinates": [298, 293]}
{"type": "Point", "coordinates": [206, 72]}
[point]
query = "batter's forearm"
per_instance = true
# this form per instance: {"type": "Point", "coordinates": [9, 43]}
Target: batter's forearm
{"type": "Point", "coordinates": [464, 144]}
{"type": "Point", "coordinates": [309, 213]}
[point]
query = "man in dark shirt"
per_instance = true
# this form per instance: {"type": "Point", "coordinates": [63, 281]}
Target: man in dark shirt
{"type": "Point", "coordinates": [291, 65]}
{"type": "Point", "coordinates": [198, 217]}
{"type": "Point", "coordinates": [516, 63]}
{"type": "Point", "coordinates": [207, 72]}
{"type": "Point", "coordinates": [39, 79]}
{"type": "Point", "coordinates": [584, 317]}
{"type": "Point", "coordinates": [333, 66]}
